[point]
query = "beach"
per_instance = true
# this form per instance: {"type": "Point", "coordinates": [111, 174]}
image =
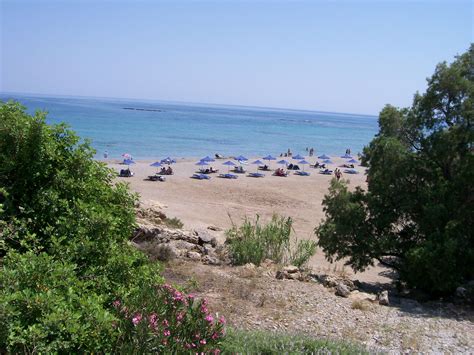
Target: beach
{"type": "Point", "coordinates": [219, 202]}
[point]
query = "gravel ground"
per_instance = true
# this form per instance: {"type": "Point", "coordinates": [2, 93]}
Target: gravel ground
{"type": "Point", "coordinates": [252, 298]}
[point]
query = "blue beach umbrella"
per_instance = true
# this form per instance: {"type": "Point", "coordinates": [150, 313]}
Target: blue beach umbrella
{"type": "Point", "coordinates": [299, 157]}
{"type": "Point", "coordinates": [128, 162]}
{"type": "Point", "coordinates": [241, 158]}
{"type": "Point", "coordinates": [156, 164]}
{"type": "Point", "coordinates": [202, 163]}
{"type": "Point", "coordinates": [346, 156]}
{"type": "Point", "coordinates": [324, 156]}
{"type": "Point", "coordinates": [269, 157]}
{"type": "Point", "coordinates": [327, 161]}
{"type": "Point", "coordinates": [353, 161]}
{"type": "Point", "coordinates": [283, 162]}
{"type": "Point", "coordinates": [257, 162]}
{"type": "Point", "coordinates": [229, 164]}
{"type": "Point", "coordinates": [303, 162]}
{"type": "Point", "coordinates": [167, 161]}
{"type": "Point", "coordinates": [207, 159]}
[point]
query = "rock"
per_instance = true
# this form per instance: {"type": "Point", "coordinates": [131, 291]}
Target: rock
{"type": "Point", "coordinates": [362, 296]}
{"type": "Point", "coordinates": [342, 290]}
{"type": "Point", "coordinates": [182, 245]}
{"type": "Point", "coordinates": [383, 298]}
{"type": "Point", "coordinates": [249, 266]}
{"type": "Point", "coordinates": [204, 237]}
{"type": "Point", "coordinates": [460, 292]}
{"type": "Point", "coordinates": [214, 228]}
{"type": "Point", "coordinates": [291, 269]}
{"type": "Point", "coordinates": [210, 260]}
{"type": "Point", "coordinates": [208, 249]}
{"type": "Point", "coordinates": [193, 255]}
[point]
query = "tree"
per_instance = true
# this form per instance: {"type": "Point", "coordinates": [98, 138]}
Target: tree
{"type": "Point", "coordinates": [417, 213]}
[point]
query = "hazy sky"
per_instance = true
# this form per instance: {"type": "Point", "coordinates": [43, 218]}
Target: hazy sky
{"type": "Point", "coordinates": [344, 56]}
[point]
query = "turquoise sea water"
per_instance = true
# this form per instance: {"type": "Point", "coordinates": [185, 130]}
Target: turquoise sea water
{"type": "Point", "coordinates": [194, 130]}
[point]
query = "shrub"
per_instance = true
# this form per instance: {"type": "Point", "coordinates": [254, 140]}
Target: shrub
{"type": "Point", "coordinates": [164, 319]}
{"type": "Point", "coordinates": [262, 342]}
{"type": "Point", "coordinates": [253, 243]}
{"type": "Point", "coordinates": [174, 222]}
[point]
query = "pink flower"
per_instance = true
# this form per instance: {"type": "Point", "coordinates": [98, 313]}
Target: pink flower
{"type": "Point", "coordinates": [153, 320]}
{"type": "Point", "coordinates": [215, 336]}
{"type": "Point", "coordinates": [116, 303]}
{"type": "Point", "coordinates": [209, 318]}
{"type": "Point", "coordinates": [222, 320]}
{"type": "Point", "coordinates": [202, 341]}
{"type": "Point", "coordinates": [187, 346]}
{"type": "Point", "coordinates": [136, 319]}
{"type": "Point", "coordinates": [204, 309]}
{"type": "Point", "coordinates": [165, 323]}
{"type": "Point", "coordinates": [180, 316]}
{"type": "Point", "coordinates": [216, 351]}
{"type": "Point", "coordinates": [166, 333]}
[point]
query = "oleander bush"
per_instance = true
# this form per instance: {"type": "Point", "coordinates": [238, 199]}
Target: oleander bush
{"type": "Point", "coordinates": [253, 242]}
{"type": "Point", "coordinates": [65, 257]}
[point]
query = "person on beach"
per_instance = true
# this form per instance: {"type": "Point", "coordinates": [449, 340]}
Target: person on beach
{"type": "Point", "coordinates": [338, 174]}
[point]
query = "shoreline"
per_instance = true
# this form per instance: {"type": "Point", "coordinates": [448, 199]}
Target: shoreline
{"type": "Point", "coordinates": [221, 202]}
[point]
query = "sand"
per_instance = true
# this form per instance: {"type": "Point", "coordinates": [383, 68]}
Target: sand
{"type": "Point", "coordinates": [200, 203]}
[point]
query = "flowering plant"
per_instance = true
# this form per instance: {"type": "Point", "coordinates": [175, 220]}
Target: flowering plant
{"type": "Point", "coordinates": [166, 320]}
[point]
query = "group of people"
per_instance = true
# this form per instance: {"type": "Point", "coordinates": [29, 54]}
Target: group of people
{"type": "Point", "coordinates": [310, 151]}
{"type": "Point", "coordinates": [166, 171]}
{"type": "Point", "coordinates": [280, 172]}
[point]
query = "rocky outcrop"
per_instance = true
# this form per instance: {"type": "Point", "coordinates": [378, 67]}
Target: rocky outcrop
{"type": "Point", "coordinates": [163, 243]}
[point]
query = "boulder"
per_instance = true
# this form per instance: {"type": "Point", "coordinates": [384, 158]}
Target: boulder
{"type": "Point", "coordinates": [362, 296]}
{"type": "Point", "coordinates": [460, 292]}
{"type": "Point", "coordinates": [291, 269]}
{"type": "Point", "coordinates": [193, 255]}
{"type": "Point", "coordinates": [210, 260]}
{"type": "Point", "coordinates": [182, 245]}
{"type": "Point", "coordinates": [342, 290]}
{"type": "Point", "coordinates": [383, 298]}
{"type": "Point", "coordinates": [204, 237]}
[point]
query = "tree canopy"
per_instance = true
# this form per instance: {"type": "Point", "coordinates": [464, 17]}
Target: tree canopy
{"type": "Point", "coordinates": [417, 213]}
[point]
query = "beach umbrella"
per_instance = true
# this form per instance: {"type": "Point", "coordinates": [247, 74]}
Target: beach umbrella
{"type": "Point", "coordinates": [299, 157]}
{"type": "Point", "coordinates": [353, 161]}
{"type": "Point", "coordinates": [207, 159]}
{"type": "Point", "coordinates": [128, 162]}
{"type": "Point", "coordinates": [257, 162]}
{"type": "Point", "coordinates": [241, 158]}
{"type": "Point", "coordinates": [156, 164]}
{"type": "Point", "coordinates": [202, 163]}
{"type": "Point", "coordinates": [283, 162]}
{"type": "Point", "coordinates": [167, 161]}
{"type": "Point", "coordinates": [269, 157]}
{"type": "Point", "coordinates": [324, 156]}
{"type": "Point", "coordinates": [229, 164]}
{"type": "Point", "coordinates": [346, 156]}
{"type": "Point", "coordinates": [303, 162]}
{"type": "Point", "coordinates": [127, 156]}
{"type": "Point", "coordinates": [327, 161]}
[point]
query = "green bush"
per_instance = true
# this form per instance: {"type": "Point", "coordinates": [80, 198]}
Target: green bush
{"type": "Point", "coordinates": [163, 319]}
{"type": "Point", "coordinates": [417, 215]}
{"type": "Point", "coordinates": [46, 308]}
{"type": "Point", "coordinates": [261, 342]}
{"type": "Point", "coordinates": [253, 243]}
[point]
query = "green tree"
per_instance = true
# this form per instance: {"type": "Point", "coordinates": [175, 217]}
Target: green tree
{"type": "Point", "coordinates": [417, 213]}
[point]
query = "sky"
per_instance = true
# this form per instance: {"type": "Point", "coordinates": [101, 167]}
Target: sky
{"type": "Point", "coordinates": [339, 56]}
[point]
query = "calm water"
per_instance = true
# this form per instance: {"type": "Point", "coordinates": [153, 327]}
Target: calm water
{"type": "Point", "coordinates": [191, 130]}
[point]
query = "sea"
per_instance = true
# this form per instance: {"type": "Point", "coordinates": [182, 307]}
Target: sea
{"type": "Point", "coordinates": [153, 130]}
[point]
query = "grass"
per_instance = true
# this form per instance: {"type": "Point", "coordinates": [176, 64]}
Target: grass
{"type": "Point", "coordinates": [253, 242]}
{"type": "Point", "coordinates": [174, 223]}
{"type": "Point", "coordinates": [264, 342]}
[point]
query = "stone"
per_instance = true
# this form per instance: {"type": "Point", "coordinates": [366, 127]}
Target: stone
{"type": "Point", "coordinates": [193, 255]}
{"type": "Point", "coordinates": [362, 296]}
{"type": "Point", "coordinates": [204, 237]}
{"type": "Point", "coordinates": [342, 290]}
{"type": "Point", "coordinates": [210, 260]}
{"type": "Point", "coordinates": [460, 292]}
{"type": "Point", "coordinates": [214, 228]}
{"type": "Point", "coordinates": [182, 245]}
{"type": "Point", "coordinates": [249, 266]}
{"type": "Point", "coordinates": [291, 269]}
{"type": "Point", "coordinates": [383, 298]}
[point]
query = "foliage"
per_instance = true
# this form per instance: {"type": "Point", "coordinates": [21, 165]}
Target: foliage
{"type": "Point", "coordinates": [417, 214]}
{"type": "Point", "coordinates": [253, 243]}
{"type": "Point", "coordinates": [46, 308]}
{"type": "Point", "coordinates": [261, 342]}
{"type": "Point", "coordinates": [166, 320]}
{"type": "Point", "coordinates": [174, 223]}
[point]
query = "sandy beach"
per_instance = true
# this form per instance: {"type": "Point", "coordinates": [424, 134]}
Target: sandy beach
{"type": "Point", "coordinates": [200, 203]}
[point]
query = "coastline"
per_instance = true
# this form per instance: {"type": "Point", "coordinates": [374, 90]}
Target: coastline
{"type": "Point", "coordinates": [221, 202]}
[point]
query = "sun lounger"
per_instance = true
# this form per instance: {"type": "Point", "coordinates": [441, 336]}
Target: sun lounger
{"type": "Point", "coordinates": [351, 171]}
{"type": "Point", "coordinates": [302, 173]}
{"type": "Point", "coordinates": [228, 176]}
{"type": "Point", "coordinates": [201, 176]}
{"type": "Point", "coordinates": [326, 172]}
{"type": "Point", "coordinates": [156, 178]}
{"type": "Point", "coordinates": [257, 175]}
{"type": "Point", "coordinates": [239, 170]}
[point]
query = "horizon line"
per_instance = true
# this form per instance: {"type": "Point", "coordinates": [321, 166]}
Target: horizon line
{"type": "Point", "coordinates": [184, 102]}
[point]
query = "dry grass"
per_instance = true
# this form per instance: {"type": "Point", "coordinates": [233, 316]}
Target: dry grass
{"type": "Point", "coordinates": [363, 305]}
